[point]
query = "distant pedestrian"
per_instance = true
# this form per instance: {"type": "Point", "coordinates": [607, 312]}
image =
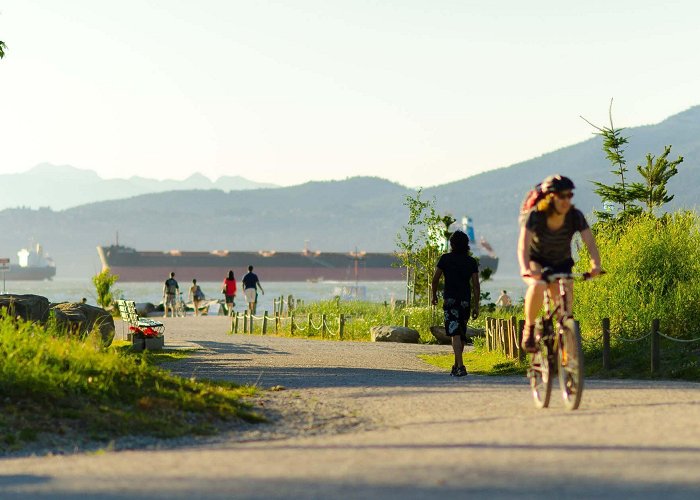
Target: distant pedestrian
{"type": "Point", "coordinates": [251, 283]}
{"type": "Point", "coordinates": [170, 291]}
{"type": "Point", "coordinates": [504, 300]}
{"type": "Point", "coordinates": [229, 290]}
{"type": "Point", "coordinates": [196, 296]}
{"type": "Point", "coordinates": [83, 300]}
{"type": "Point", "coordinates": [459, 269]}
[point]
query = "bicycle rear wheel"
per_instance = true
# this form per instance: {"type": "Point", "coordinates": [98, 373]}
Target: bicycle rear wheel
{"type": "Point", "coordinates": [571, 365]}
{"type": "Point", "coordinates": [540, 377]}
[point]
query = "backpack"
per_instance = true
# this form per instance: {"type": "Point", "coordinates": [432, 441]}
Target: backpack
{"type": "Point", "coordinates": [532, 198]}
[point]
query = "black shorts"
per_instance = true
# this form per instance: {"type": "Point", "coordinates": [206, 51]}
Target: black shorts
{"type": "Point", "coordinates": [229, 299]}
{"type": "Point", "coordinates": [456, 317]}
{"type": "Point", "coordinates": [564, 266]}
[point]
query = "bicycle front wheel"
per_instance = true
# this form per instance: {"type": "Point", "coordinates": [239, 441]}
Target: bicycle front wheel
{"type": "Point", "coordinates": [540, 377]}
{"type": "Point", "coordinates": [570, 364]}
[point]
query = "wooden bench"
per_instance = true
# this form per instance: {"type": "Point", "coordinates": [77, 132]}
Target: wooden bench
{"type": "Point", "coordinates": [136, 324]}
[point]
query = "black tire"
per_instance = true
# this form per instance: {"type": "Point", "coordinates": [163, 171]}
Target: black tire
{"type": "Point", "coordinates": [570, 358]}
{"type": "Point", "coordinates": [540, 374]}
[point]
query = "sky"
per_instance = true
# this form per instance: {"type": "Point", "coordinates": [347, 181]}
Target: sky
{"type": "Point", "coordinates": [421, 92]}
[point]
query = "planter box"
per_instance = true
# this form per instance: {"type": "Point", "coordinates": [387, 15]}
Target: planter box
{"type": "Point", "coordinates": [154, 343]}
{"type": "Point", "coordinates": [138, 344]}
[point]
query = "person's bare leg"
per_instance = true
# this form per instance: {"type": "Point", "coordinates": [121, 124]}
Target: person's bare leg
{"type": "Point", "coordinates": [458, 348]}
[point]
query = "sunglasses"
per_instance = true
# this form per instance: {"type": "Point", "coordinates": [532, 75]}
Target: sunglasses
{"type": "Point", "coordinates": [564, 196]}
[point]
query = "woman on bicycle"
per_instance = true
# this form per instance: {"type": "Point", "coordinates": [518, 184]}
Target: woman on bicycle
{"type": "Point", "coordinates": [545, 242]}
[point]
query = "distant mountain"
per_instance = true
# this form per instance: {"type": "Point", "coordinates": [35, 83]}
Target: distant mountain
{"type": "Point", "coordinates": [361, 212]}
{"type": "Point", "coordinates": [63, 186]}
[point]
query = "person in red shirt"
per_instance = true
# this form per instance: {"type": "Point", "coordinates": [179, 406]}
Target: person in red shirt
{"type": "Point", "coordinates": [229, 291]}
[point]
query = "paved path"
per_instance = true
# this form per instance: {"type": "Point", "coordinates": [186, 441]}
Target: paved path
{"type": "Point", "coordinates": [372, 421]}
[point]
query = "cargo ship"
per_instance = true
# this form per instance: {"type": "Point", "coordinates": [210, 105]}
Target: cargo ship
{"type": "Point", "coordinates": [306, 265]}
{"type": "Point", "coordinates": [33, 265]}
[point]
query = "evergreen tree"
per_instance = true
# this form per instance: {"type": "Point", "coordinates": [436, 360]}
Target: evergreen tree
{"type": "Point", "coordinates": [656, 174]}
{"type": "Point", "coordinates": [620, 194]}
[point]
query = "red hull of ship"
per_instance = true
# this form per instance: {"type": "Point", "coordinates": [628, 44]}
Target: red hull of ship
{"type": "Point", "coordinates": [150, 274]}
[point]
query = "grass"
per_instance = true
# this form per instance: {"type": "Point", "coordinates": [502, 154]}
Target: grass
{"type": "Point", "coordinates": [479, 362]}
{"type": "Point", "coordinates": [51, 383]}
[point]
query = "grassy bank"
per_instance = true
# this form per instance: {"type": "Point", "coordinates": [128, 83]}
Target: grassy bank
{"type": "Point", "coordinates": [51, 384]}
{"type": "Point", "coordinates": [479, 361]}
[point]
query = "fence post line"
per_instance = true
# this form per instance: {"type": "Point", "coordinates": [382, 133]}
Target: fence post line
{"type": "Point", "coordinates": [405, 320]}
{"type": "Point", "coordinates": [606, 343]}
{"type": "Point", "coordinates": [655, 348]}
{"type": "Point", "coordinates": [291, 327]}
{"type": "Point", "coordinates": [519, 339]}
{"type": "Point", "coordinates": [341, 325]}
{"type": "Point", "coordinates": [264, 327]}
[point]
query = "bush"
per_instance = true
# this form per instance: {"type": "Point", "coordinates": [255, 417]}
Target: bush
{"type": "Point", "coordinates": [653, 270]}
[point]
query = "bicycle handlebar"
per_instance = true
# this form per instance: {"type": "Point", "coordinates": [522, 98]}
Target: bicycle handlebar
{"type": "Point", "coordinates": [548, 277]}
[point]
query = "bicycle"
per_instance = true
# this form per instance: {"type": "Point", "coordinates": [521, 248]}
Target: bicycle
{"type": "Point", "coordinates": [564, 345]}
{"type": "Point", "coordinates": [180, 309]}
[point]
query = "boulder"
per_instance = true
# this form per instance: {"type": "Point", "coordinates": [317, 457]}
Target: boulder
{"type": "Point", "coordinates": [144, 308]}
{"type": "Point", "coordinates": [394, 334]}
{"type": "Point", "coordinates": [82, 318]}
{"type": "Point", "coordinates": [28, 307]}
{"type": "Point", "coordinates": [442, 338]}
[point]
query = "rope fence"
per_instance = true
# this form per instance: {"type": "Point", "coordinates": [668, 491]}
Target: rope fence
{"type": "Point", "coordinates": [505, 336]}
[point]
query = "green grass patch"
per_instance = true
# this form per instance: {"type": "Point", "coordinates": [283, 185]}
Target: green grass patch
{"type": "Point", "coordinates": [479, 362]}
{"type": "Point", "coordinates": [52, 383]}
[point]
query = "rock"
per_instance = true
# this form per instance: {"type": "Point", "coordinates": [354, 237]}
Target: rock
{"type": "Point", "coordinates": [394, 334]}
{"type": "Point", "coordinates": [442, 338]}
{"type": "Point", "coordinates": [83, 318]}
{"type": "Point", "coordinates": [440, 335]}
{"type": "Point", "coordinates": [28, 307]}
{"type": "Point", "coordinates": [144, 308]}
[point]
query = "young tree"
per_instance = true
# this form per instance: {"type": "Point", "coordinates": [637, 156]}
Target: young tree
{"type": "Point", "coordinates": [656, 174]}
{"type": "Point", "coordinates": [420, 244]}
{"type": "Point", "coordinates": [619, 194]}
{"type": "Point", "coordinates": [3, 47]}
{"type": "Point", "coordinates": [103, 287]}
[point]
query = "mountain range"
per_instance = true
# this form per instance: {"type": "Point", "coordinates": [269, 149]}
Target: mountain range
{"type": "Point", "coordinates": [362, 212]}
{"type": "Point", "coordinates": [63, 186]}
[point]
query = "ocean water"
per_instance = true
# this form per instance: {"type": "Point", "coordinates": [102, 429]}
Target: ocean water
{"type": "Point", "coordinates": [73, 290]}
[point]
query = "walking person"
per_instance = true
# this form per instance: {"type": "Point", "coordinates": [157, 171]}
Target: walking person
{"type": "Point", "coordinates": [251, 283]}
{"type": "Point", "coordinates": [460, 271]}
{"type": "Point", "coordinates": [229, 291]}
{"type": "Point", "coordinates": [170, 291]}
{"type": "Point", "coordinates": [545, 242]}
{"type": "Point", "coordinates": [196, 295]}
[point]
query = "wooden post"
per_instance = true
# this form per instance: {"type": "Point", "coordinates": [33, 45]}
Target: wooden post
{"type": "Point", "coordinates": [245, 321]}
{"type": "Point", "coordinates": [264, 327]}
{"type": "Point", "coordinates": [291, 324]}
{"type": "Point", "coordinates": [519, 339]}
{"type": "Point", "coordinates": [606, 343]}
{"type": "Point", "coordinates": [323, 325]}
{"type": "Point", "coordinates": [341, 326]}
{"type": "Point", "coordinates": [235, 323]}
{"type": "Point", "coordinates": [308, 324]}
{"type": "Point", "coordinates": [405, 320]}
{"type": "Point", "coordinates": [277, 323]}
{"type": "Point", "coordinates": [251, 322]}
{"type": "Point", "coordinates": [655, 348]}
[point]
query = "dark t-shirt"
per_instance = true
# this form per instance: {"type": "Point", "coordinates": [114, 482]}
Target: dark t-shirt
{"type": "Point", "coordinates": [553, 247]}
{"type": "Point", "coordinates": [458, 270]}
{"type": "Point", "coordinates": [250, 280]}
{"type": "Point", "coordinates": [171, 286]}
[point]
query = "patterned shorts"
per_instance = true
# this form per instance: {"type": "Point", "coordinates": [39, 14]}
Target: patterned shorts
{"type": "Point", "coordinates": [456, 317]}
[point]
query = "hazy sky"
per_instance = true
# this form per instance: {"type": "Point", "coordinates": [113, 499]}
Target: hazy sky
{"type": "Point", "coordinates": [419, 92]}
